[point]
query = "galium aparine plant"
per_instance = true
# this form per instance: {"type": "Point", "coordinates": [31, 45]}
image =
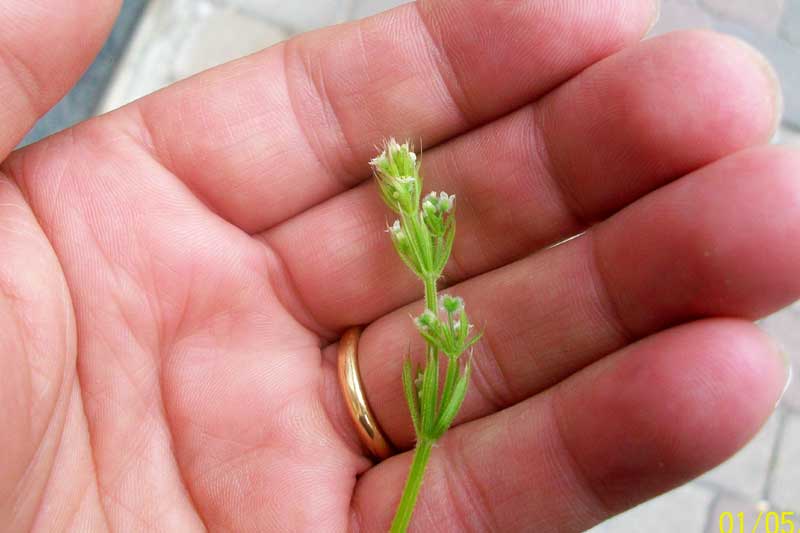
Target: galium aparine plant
{"type": "Point", "coordinates": [423, 237]}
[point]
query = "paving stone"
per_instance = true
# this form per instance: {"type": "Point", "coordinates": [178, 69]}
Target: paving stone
{"type": "Point", "coordinates": [296, 16]}
{"type": "Point", "coordinates": [790, 23]}
{"type": "Point", "coordinates": [683, 510]}
{"type": "Point", "coordinates": [754, 513]}
{"type": "Point", "coordinates": [222, 35]}
{"type": "Point", "coordinates": [180, 37]}
{"type": "Point", "coordinates": [783, 56]}
{"type": "Point", "coordinates": [786, 135]}
{"type": "Point", "coordinates": [82, 101]}
{"type": "Point", "coordinates": [746, 472]}
{"type": "Point", "coordinates": [784, 328]}
{"type": "Point", "coordinates": [681, 15]}
{"type": "Point", "coordinates": [688, 14]}
{"type": "Point", "coordinates": [365, 8]}
{"type": "Point", "coordinates": [764, 15]}
{"type": "Point", "coordinates": [785, 486]}
{"type": "Point", "coordinates": [148, 64]}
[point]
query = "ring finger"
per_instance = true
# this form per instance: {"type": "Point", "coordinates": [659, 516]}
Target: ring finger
{"type": "Point", "coordinates": [718, 242]}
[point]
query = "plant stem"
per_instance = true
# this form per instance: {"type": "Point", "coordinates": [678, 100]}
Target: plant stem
{"type": "Point", "coordinates": [422, 451]}
{"type": "Point", "coordinates": [432, 303]}
{"type": "Point", "coordinates": [409, 499]}
{"type": "Point", "coordinates": [431, 298]}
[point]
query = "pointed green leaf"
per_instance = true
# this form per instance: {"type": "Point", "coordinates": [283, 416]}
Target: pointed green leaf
{"type": "Point", "coordinates": [449, 381]}
{"type": "Point", "coordinates": [446, 243]}
{"type": "Point", "coordinates": [473, 340]}
{"type": "Point", "coordinates": [416, 242]}
{"type": "Point", "coordinates": [410, 390]}
{"type": "Point", "coordinates": [425, 243]}
{"type": "Point", "coordinates": [450, 410]}
{"type": "Point", "coordinates": [430, 390]}
{"type": "Point", "coordinates": [429, 337]}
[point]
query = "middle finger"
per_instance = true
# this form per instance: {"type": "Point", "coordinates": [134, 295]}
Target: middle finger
{"type": "Point", "coordinates": [719, 242]}
{"type": "Point", "coordinates": [625, 126]}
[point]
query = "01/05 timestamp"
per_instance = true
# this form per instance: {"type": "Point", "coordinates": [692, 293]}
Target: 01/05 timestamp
{"type": "Point", "coordinates": [766, 522]}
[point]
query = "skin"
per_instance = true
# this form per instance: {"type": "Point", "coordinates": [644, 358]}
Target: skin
{"type": "Point", "coordinates": [175, 274]}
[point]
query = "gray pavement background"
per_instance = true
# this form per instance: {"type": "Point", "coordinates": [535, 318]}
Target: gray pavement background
{"type": "Point", "coordinates": [83, 100]}
{"type": "Point", "coordinates": [176, 38]}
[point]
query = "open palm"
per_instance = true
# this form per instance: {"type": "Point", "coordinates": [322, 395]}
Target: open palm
{"type": "Point", "coordinates": [174, 275]}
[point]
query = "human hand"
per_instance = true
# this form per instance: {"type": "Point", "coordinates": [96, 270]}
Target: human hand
{"type": "Point", "coordinates": [175, 274]}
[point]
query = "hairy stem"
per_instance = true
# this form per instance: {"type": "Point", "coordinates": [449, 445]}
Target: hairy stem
{"type": "Point", "coordinates": [431, 298]}
{"type": "Point", "coordinates": [432, 303]}
{"type": "Point", "coordinates": [403, 515]}
{"type": "Point", "coordinates": [422, 452]}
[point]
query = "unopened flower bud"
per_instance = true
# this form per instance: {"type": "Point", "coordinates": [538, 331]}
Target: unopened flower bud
{"type": "Point", "coordinates": [452, 304]}
{"type": "Point", "coordinates": [426, 320]}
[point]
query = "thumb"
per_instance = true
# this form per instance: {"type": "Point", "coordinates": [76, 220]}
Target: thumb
{"type": "Point", "coordinates": [37, 360]}
{"type": "Point", "coordinates": [45, 46]}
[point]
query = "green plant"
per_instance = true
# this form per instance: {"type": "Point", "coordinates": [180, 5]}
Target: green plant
{"type": "Point", "coordinates": [423, 237]}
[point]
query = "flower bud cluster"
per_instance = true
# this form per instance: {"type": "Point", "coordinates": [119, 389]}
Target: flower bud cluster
{"type": "Point", "coordinates": [436, 212]}
{"type": "Point", "coordinates": [397, 173]}
{"type": "Point", "coordinates": [449, 330]}
{"type": "Point", "coordinates": [423, 235]}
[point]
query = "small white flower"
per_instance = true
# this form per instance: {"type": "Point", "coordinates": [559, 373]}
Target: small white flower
{"type": "Point", "coordinates": [379, 160]}
{"type": "Point", "coordinates": [396, 231]}
{"type": "Point", "coordinates": [446, 202]}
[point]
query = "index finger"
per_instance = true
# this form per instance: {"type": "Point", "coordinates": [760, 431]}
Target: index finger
{"type": "Point", "coordinates": [270, 135]}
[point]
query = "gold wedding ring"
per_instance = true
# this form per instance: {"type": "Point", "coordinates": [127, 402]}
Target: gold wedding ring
{"type": "Point", "coordinates": [369, 432]}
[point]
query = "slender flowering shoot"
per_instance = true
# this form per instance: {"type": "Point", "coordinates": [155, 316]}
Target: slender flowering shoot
{"type": "Point", "coordinates": [423, 238]}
